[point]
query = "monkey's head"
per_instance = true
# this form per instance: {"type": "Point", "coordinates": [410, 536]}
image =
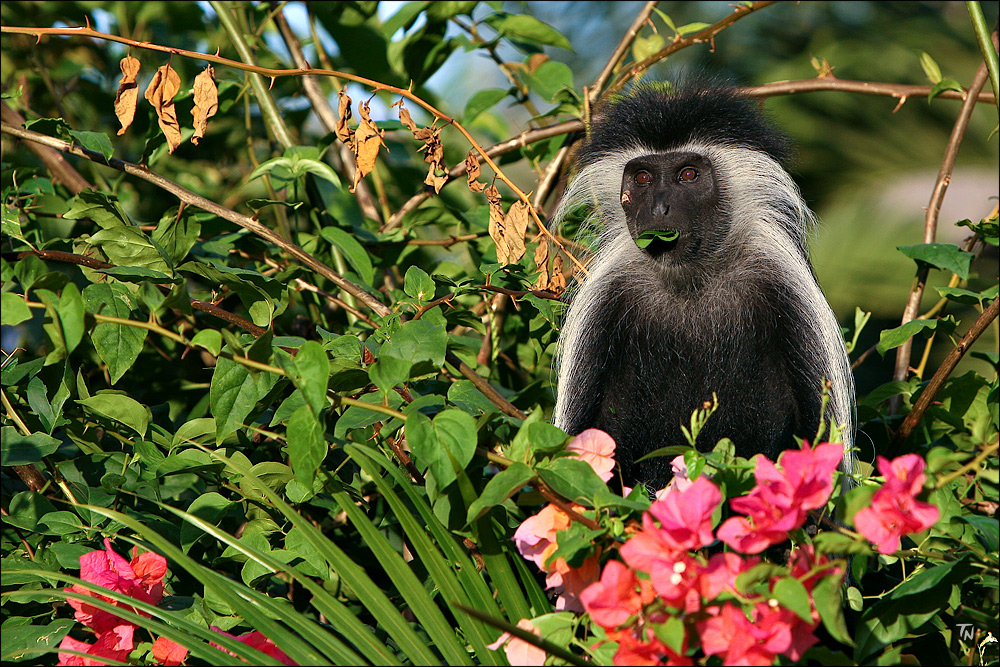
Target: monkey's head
{"type": "Point", "coordinates": [672, 205]}
{"type": "Point", "coordinates": [682, 179]}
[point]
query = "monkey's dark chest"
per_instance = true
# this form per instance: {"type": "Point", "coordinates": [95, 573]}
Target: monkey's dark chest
{"type": "Point", "coordinates": [660, 369]}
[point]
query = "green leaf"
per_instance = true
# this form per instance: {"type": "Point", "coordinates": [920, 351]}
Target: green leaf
{"type": "Point", "coordinates": [930, 67]}
{"type": "Point", "coordinates": [20, 450]}
{"type": "Point", "coordinates": [943, 85]}
{"type": "Point", "coordinates": [792, 595]}
{"type": "Point", "coordinates": [124, 409]}
{"type": "Point", "coordinates": [828, 597]}
{"type": "Point", "coordinates": [309, 371]}
{"type": "Point", "coordinates": [549, 78]}
{"type": "Point", "coordinates": [690, 28]}
{"type": "Point", "coordinates": [572, 478]}
{"type": "Point", "coordinates": [445, 445]}
{"type": "Point", "coordinates": [663, 235]}
{"type": "Point", "coordinates": [30, 642]}
{"type": "Point", "coordinates": [893, 338]}
{"type": "Point", "coordinates": [176, 234]}
{"type": "Point", "coordinates": [389, 371]}
{"type": "Point", "coordinates": [354, 252]}
{"type": "Point", "coordinates": [94, 141]}
{"type": "Point", "coordinates": [480, 101]}
{"type": "Point", "coordinates": [117, 344]}
{"type": "Point", "coordinates": [418, 284]}
{"type": "Point", "coordinates": [523, 26]}
{"type": "Point", "coordinates": [210, 340]}
{"type": "Point", "coordinates": [234, 392]}
{"type": "Point", "coordinates": [502, 486]}
{"type": "Point", "coordinates": [128, 246]}
{"type": "Point", "coordinates": [13, 309]}
{"type": "Point", "coordinates": [418, 341]}
{"type": "Point", "coordinates": [944, 256]}
{"type": "Point", "coordinates": [306, 445]}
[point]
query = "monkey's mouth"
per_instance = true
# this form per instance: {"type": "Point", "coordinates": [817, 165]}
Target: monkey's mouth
{"type": "Point", "coordinates": [657, 241]}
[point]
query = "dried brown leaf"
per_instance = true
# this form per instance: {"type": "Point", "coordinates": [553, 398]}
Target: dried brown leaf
{"type": "Point", "coordinates": [344, 133]}
{"type": "Point", "coordinates": [535, 61]}
{"type": "Point", "coordinates": [160, 93]}
{"type": "Point", "coordinates": [206, 102]}
{"type": "Point", "coordinates": [127, 96]}
{"type": "Point", "coordinates": [515, 225]}
{"type": "Point", "coordinates": [432, 179]}
{"type": "Point", "coordinates": [367, 141]}
{"type": "Point", "coordinates": [557, 283]}
{"type": "Point", "coordinates": [404, 116]}
{"type": "Point", "coordinates": [496, 226]}
{"type": "Point", "coordinates": [542, 263]}
{"type": "Point", "coordinates": [472, 172]}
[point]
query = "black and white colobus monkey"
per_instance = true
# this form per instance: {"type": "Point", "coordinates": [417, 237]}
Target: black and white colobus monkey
{"type": "Point", "coordinates": [730, 305]}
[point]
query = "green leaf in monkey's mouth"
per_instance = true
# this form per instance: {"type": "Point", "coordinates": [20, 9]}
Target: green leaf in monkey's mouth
{"type": "Point", "coordinates": [656, 235]}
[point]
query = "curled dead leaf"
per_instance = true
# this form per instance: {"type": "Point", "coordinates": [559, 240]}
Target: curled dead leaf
{"type": "Point", "coordinates": [160, 93]}
{"type": "Point", "coordinates": [344, 133]}
{"type": "Point", "coordinates": [127, 96]}
{"type": "Point", "coordinates": [557, 283]}
{"type": "Point", "coordinates": [206, 102]}
{"type": "Point", "coordinates": [472, 172]}
{"type": "Point", "coordinates": [515, 225]}
{"type": "Point", "coordinates": [496, 226]}
{"type": "Point", "coordinates": [367, 141]}
{"type": "Point", "coordinates": [404, 116]}
{"type": "Point", "coordinates": [542, 263]}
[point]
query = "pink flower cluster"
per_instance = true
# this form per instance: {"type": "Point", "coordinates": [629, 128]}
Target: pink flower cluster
{"type": "Point", "coordinates": [141, 579]}
{"type": "Point", "coordinates": [782, 498]}
{"type": "Point", "coordinates": [660, 567]}
{"type": "Point", "coordinates": [895, 510]}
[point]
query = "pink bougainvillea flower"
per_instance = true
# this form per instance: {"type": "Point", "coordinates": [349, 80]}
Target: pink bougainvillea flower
{"type": "Point", "coordinates": [168, 653]}
{"type": "Point", "coordinates": [115, 644]}
{"type": "Point", "coordinates": [903, 474]}
{"type": "Point", "coordinates": [142, 579]}
{"type": "Point", "coordinates": [720, 574]}
{"type": "Point", "coordinates": [570, 582]}
{"type": "Point", "coordinates": [536, 537]}
{"type": "Point", "coordinates": [257, 640]}
{"type": "Point", "coordinates": [686, 516]}
{"type": "Point", "coordinates": [675, 579]}
{"type": "Point", "coordinates": [615, 598]}
{"type": "Point", "coordinates": [892, 515]}
{"type": "Point", "coordinates": [780, 631]}
{"type": "Point", "coordinates": [639, 645]}
{"type": "Point", "coordinates": [809, 472]}
{"type": "Point", "coordinates": [679, 482]}
{"type": "Point", "coordinates": [729, 634]}
{"type": "Point", "coordinates": [518, 651]}
{"type": "Point", "coordinates": [596, 448]}
{"type": "Point", "coordinates": [895, 510]}
{"type": "Point", "coordinates": [782, 498]}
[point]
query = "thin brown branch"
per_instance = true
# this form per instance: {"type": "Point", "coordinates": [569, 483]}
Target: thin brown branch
{"type": "Point", "coordinates": [483, 386]}
{"type": "Point", "coordinates": [930, 392]}
{"type": "Point", "coordinates": [53, 160]}
{"type": "Point", "coordinates": [706, 35]}
{"type": "Point", "coordinates": [931, 220]}
{"type": "Point", "coordinates": [594, 90]}
{"type": "Point", "coordinates": [818, 84]}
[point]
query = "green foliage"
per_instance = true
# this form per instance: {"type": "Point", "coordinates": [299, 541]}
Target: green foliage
{"type": "Point", "coordinates": [333, 435]}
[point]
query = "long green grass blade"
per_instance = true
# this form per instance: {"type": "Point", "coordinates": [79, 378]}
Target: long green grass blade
{"type": "Point", "coordinates": [374, 599]}
{"type": "Point", "coordinates": [406, 582]}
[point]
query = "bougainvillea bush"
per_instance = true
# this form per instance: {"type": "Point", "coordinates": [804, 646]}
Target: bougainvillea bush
{"type": "Point", "coordinates": [280, 314]}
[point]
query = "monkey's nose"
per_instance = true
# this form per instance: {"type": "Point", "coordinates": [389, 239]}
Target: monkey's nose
{"type": "Point", "coordinates": [661, 207]}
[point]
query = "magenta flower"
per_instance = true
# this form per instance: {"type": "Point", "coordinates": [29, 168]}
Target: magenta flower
{"type": "Point", "coordinates": [257, 640]}
{"type": "Point", "coordinates": [114, 644]}
{"type": "Point", "coordinates": [895, 510]}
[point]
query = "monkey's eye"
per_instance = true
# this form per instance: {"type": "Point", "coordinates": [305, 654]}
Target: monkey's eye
{"type": "Point", "coordinates": [643, 177]}
{"type": "Point", "coordinates": [687, 175]}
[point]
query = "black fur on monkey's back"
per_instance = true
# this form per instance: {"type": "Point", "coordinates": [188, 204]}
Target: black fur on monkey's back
{"type": "Point", "coordinates": [731, 306]}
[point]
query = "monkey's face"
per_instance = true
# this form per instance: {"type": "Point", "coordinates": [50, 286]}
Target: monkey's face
{"type": "Point", "coordinates": [673, 199]}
